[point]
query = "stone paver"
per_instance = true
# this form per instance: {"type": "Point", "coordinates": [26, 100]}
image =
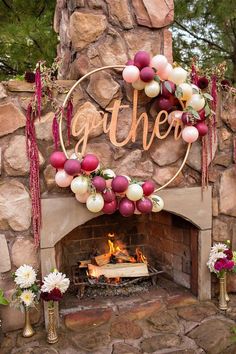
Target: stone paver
{"type": "Point", "coordinates": [213, 336]}
{"type": "Point", "coordinates": [181, 325]}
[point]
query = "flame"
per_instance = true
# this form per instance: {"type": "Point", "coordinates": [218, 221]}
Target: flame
{"type": "Point", "coordinates": [140, 256]}
{"type": "Point", "coordinates": [112, 248]}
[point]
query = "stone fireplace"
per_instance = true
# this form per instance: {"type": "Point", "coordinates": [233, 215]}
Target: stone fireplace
{"type": "Point", "coordinates": [178, 239]}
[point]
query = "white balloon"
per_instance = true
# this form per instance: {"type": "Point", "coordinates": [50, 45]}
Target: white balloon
{"type": "Point", "coordinates": [152, 89]}
{"type": "Point", "coordinates": [63, 179]}
{"type": "Point", "coordinates": [134, 192]}
{"type": "Point", "coordinates": [128, 178]}
{"type": "Point", "coordinates": [79, 185]}
{"type": "Point", "coordinates": [82, 198]}
{"type": "Point", "coordinates": [95, 203]}
{"type": "Point", "coordinates": [109, 173]}
{"type": "Point", "coordinates": [178, 75]}
{"type": "Point", "coordinates": [139, 84]}
{"type": "Point", "coordinates": [187, 91]}
{"type": "Point", "coordinates": [159, 62]}
{"type": "Point", "coordinates": [158, 203]}
{"type": "Point", "coordinates": [197, 102]}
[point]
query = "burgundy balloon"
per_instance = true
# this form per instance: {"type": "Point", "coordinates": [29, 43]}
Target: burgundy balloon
{"type": "Point", "coordinates": [163, 103]}
{"type": "Point", "coordinates": [144, 205]}
{"type": "Point", "coordinates": [89, 163]}
{"type": "Point", "coordinates": [99, 183]}
{"type": "Point", "coordinates": [166, 93]}
{"type": "Point", "coordinates": [148, 187]}
{"type": "Point", "coordinates": [108, 195]}
{"type": "Point", "coordinates": [185, 118]}
{"type": "Point", "coordinates": [72, 167]}
{"type": "Point", "coordinates": [110, 208]}
{"type": "Point", "coordinates": [147, 74]}
{"type": "Point", "coordinates": [202, 128]}
{"type": "Point", "coordinates": [119, 184]}
{"type": "Point", "coordinates": [141, 59]}
{"type": "Point", "coordinates": [129, 62]}
{"type": "Point", "coordinates": [126, 207]}
{"type": "Point", "coordinates": [202, 114]}
{"type": "Point", "coordinates": [57, 159]}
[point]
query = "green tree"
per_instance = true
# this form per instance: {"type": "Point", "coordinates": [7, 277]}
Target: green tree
{"type": "Point", "coordinates": [206, 29]}
{"type": "Point", "coordinates": [26, 35]}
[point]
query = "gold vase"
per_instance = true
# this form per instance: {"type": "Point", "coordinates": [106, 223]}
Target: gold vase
{"type": "Point", "coordinates": [52, 331]}
{"type": "Point", "coordinates": [222, 299]}
{"type": "Point", "coordinates": [225, 286]}
{"type": "Point", "coordinates": [28, 329]}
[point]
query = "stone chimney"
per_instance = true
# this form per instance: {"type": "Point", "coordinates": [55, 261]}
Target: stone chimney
{"type": "Point", "coordinates": [96, 33]}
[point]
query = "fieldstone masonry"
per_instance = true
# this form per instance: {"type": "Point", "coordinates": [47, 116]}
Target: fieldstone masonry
{"type": "Point", "coordinates": [92, 34]}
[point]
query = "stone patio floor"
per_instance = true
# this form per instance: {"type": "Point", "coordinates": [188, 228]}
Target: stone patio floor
{"type": "Point", "coordinates": [167, 319]}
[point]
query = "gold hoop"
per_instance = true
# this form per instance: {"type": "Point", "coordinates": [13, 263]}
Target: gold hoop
{"type": "Point", "coordinates": [68, 96]}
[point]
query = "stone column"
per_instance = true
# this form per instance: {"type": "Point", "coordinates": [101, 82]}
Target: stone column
{"type": "Point", "coordinates": [108, 32]}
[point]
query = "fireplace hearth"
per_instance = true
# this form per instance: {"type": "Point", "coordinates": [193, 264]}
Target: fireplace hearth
{"type": "Point", "coordinates": [175, 241]}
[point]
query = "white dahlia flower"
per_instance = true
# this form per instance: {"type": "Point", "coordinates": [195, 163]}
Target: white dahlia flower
{"type": "Point", "coordinates": [55, 280]}
{"type": "Point", "coordinates": [27, 297]}
{"type": "Point", "coordinates": [25, 276]}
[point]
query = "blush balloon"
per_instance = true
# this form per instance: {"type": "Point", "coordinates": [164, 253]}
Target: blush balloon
{"type": "Point", "coordinates": [126, 207]}
{"type": "Point", "coordinates": [202, 128]}
{"type": "Point", "coordinates": [57, 159]}
{"type": "Point", "coordinates": [119, 184]}
{"type": "Point", "coordinates": [190, 134]}
{"type": "Point", "coordinates": [148, 187]}
{"type": "Point", "coordinates": [144, 205]}
{"type": "Point", "coordinates": [82, 198]}
{"type": "Point", "coordinates": [90, 163]}
{"type": "Point", "coordinates": [63, 179]}
{"type": "Point", "coordinates": [141, 59]}
{"type": "Point", "coordinates": [164, 74]}
{"type": "Point", "coordinates": [72, 167]}
{"type": "Point", "coordinates": [130, 73]}
{"type": "Point", "coordinates": [147, 74]}
{"type": "Point", "coordinates": [110, 208]}
{"type": "Point", "coordinates": [108, 195]}
{"type": "Point", "coordinates": [99, 183]}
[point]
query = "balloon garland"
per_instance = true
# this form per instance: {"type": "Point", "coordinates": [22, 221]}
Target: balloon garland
{"type": "Point", "coordinates": [103, 190]}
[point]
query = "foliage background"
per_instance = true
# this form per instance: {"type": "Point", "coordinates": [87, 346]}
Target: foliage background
{"type": "Point", "coordinates": [26, 35]}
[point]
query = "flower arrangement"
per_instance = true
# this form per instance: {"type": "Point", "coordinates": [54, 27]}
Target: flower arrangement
{"type": "Point", "coordinates": [221, 259]}
{"type": "Point", "coordinates": [27, 288]}
{"type": "Point", "coordinates": [3, 300]}
{"type": "Point", "coordinates": [54, 286]}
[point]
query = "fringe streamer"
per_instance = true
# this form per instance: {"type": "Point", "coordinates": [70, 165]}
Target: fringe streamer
{"type": "Point", "coordinates": [34, 182]}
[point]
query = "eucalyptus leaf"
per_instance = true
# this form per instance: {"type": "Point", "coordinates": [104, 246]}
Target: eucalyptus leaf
{"type": "Point", "coordinates": [207, 96]}
{"type": "Point", "coordinates": [157, 79]}
{"type": "Point", "coordinates": [207, 110]}
{"type": "Point", "coordinates": [168, 86]}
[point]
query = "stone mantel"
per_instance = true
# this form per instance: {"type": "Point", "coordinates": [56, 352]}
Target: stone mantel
{"type": "Point", "coordinates": [63, 214]}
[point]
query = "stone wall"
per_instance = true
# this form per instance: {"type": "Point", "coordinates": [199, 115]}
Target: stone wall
{"type": "Point", "coordinates": [96, 33]}
{"type": "Point", "coordinates": [115, 34]}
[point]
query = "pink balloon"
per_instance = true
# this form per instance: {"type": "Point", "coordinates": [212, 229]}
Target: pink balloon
{"type": "Point", "coordinates": [57, 159]}
{"type": "Point", "coordinates": [164, 73]}
{"type": "Point", "coordinates": [110, 208]}
{"type": "Point", "coordinates": [142, 59]}
{"type": "Point", "coordinates": [190, 134]}
{"type": "Point", "coordinates": [82, 198]}
{"type": "Point", "coordinates": [144, 205]}
{"type": "Point", "coordinates": [119, 184]}
{"type": "Point", "coordinates": [63, 179]}
{"type": "Point", "coordinates": [130, 73]}
{"type": "Point", "coordinates": [147, 74]}
{"type": "Point", "coordinates": [148, 187]}
{"type": "Point", "coordinates": [202, 128]}
{"type": "Point", "coordinates": [99, 183]}
{"type": "Point", "coordinates": [175, 115]}
{"type": "Point", "coordinates": [108, 195]}
{"type": "Point", "coordinates": [72, 167]}
{"type": "Point", "coordinates": [89, 163]}
{"type": "Point", "coordinates": [126, 207]}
